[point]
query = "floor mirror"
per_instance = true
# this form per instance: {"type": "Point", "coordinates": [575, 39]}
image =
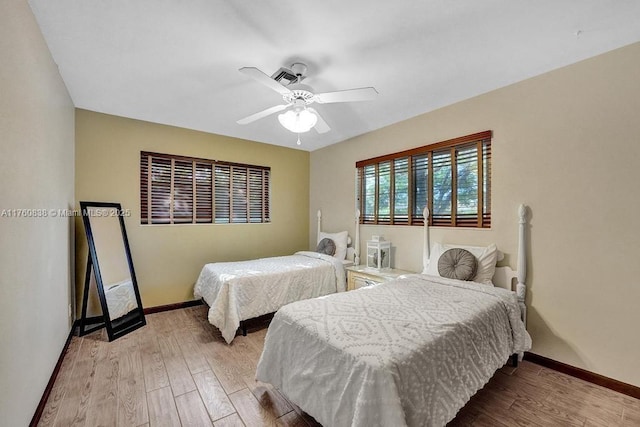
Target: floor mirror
{"type": "Point", "coordinates": [109, 261]}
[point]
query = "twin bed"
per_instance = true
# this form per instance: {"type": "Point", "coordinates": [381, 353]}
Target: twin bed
{"type": "Point", "coordinates": [408, 352]}
{"type": "Point", "coordinates": [238, 291]}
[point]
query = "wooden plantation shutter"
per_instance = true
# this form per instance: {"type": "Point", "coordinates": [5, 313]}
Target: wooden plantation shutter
{"type": "Point", "coordinates": [266, 195]}
{"type": "Point", "coordinates": [203, 192]}
{"type": "Point", "coordinates": [144, 188]}
{"type": "Point", "coordinates": [223, 193]}
{"type": "Point", "coordinates": [401, 186]}
{"type": "Point", "coordinates": [258, 194]}
{"type": "Point", "coordinates": [239, 199]}
{"type": "Point", "coordinates": [420, 169]}
{"type": "Point", "coordinates": [485, 206]}
{"type": "Point", "coordinates": [368, 188]}
{"type": "Point", "coordinates": [159, 187]}
{"type": "Point", "coordinates": [441, 190]}
{"type": "Point", "coordinates": [384, 192]}
{"type": "Point", "coordinates": [452, 178]}
{"type": "Point", "coordinates": [182, 192]}
{"type": "Point", "coordinates": [185, 190]}
{"type": "Point", "coordinates": [468, 192]}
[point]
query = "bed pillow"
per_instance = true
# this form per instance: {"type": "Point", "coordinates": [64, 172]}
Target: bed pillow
{"type": "Point", "coordinates": [457, 263]}
{"type": "Point", "coordinates": [326, 246]}
{"type": "Point", "coordinates": [486, 257]}
{"type": "Point", "coordinates": [340, 240]}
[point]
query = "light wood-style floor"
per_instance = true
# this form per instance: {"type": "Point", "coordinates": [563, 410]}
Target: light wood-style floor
{"type": "Point", "coordinates": [177, 370]}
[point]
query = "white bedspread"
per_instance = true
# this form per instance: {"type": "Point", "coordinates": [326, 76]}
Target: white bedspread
{"type": "Point", "coordinates": [409, 352]}
{"type": "Point", "coordinates": [242, 290]}
{"type": "Point", "coordinates": [121, 298]}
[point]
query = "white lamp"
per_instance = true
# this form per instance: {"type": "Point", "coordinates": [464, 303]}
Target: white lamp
{"type": "Point", "coordinates": [298, 120]}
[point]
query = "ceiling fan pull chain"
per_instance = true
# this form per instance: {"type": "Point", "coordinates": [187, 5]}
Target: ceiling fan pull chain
{"type": "Point", "coordinates": [298, 141]}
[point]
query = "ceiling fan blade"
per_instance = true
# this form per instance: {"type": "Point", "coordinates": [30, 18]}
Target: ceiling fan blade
{"type": "Point", "coordinates": [321, 126]}
{"type": "Point", "coordinates": [261, 114]}
{"type": "Point", "coordinates": [261, 77]}
{"type": "Point", "coordinates": [351, 95]}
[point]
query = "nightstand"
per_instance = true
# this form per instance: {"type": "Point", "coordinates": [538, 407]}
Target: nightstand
{"type": "Point", "coordinates": [360, 276]}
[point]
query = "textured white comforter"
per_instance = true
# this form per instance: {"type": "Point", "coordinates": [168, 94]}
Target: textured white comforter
{"type": "Point", "coordinates": [121, 298]}
{"type": "Point", "coordinates": [409, 352]}
{"type": "Point", "coordinates": [243, 290]}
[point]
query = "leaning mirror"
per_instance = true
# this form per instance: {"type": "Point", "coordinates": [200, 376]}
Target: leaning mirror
{"type": "Point", "coordinates": [109, 261]}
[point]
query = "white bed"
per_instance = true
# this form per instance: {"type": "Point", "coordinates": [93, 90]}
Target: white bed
{"type": "Point", "coordinates": [408, 352]}
{"type": "Point", "coordinates": [242, 290]}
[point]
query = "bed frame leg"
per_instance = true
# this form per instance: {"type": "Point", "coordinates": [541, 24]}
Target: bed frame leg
{"type": "Point", "coordinates": [514, 360]}
{"type": "Point", "coordinates": [243, 325]}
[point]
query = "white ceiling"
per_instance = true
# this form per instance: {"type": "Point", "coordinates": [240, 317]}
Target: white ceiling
{"type": "Point", "coordinates": [176, 62]}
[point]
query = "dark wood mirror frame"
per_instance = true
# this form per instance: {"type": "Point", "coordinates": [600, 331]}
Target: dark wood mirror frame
{"type": "Point", "coordinates": [129, 322]}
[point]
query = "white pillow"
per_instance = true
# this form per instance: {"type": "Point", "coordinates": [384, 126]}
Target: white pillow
{"type": "Point", "coordinates": [340, 239]}
{"type": "Point", "coordinates": [486, 256]}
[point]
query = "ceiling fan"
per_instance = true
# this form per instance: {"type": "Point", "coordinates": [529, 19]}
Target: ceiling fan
{"type": "Point", "coordinates": [301, 117]}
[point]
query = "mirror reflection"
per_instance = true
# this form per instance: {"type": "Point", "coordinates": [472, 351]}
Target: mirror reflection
{"type": "Point", "coordinates": [114, 268]}
{"type": "Point", "coordinates": [110, 263]}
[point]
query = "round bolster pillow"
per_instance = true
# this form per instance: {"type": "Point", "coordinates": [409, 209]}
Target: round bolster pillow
{"type": "Point", "coordinates": [458, 264]}
{"type": "Point", "coordinates": [326, 246]}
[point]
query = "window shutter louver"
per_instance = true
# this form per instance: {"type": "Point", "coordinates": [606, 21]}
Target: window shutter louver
{"type": "Point", "coordinates": [486, 181]}
{"type": "Point", "coordinates": [401, 191]}
{"type": "Point", "coordinates": [182, 192]}
{"type": "Point", "coordinates": [185, 190]}
{"type": "Point", "coordinates": [239, 194]}
{"type": "Point", "coordinates": [442, 188]}
{"type": "Point", "coordinates": [144, 188]}
{"type": "Point", "coordinates": [256, 195]}
{"type": "Point", "coordinates": [266, 195]}
{"type": "Point", "coordinates": [420, 168]}
{"type": "Point", "coordinates": [160, 190]}
{"type": "Point", "coordinates": [384, 193]}
{"type": "Point", "coordinates": [223, 194]}
{"type": "Point", "coordinates": [369, 195]}
{"type": "Point", "coordinates": [467, 186]}
{"type": "Point", "coordinates": [204, 193]}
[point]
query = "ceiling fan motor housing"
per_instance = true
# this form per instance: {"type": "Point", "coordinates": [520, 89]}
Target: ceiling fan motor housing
{"type": "Point", "coordinates": [299, 92]}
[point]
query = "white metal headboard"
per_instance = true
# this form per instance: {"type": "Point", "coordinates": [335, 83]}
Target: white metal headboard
{"type": "Point", "coordinates": [503, 276]}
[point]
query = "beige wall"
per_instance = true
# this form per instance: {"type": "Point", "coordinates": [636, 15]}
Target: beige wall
{"type": "Point", "coordinates": [36, 172]}
{"type": "Point", "coordinates": [566, 144]}
{"type": "Point", "coordinates": [168, 259]}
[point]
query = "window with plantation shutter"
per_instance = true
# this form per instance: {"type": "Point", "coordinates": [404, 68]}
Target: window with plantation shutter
{"type": "Point", "coordinates": [185, 190]}
{"type": "Point", "coordinates": [452, 178]}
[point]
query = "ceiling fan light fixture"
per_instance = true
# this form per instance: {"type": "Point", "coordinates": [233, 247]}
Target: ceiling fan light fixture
{"type": "Point", "coordinates": [299, 121]}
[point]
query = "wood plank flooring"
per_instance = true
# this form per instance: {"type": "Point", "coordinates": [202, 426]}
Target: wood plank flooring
{"type": "Point", "coordinates": [178, 371]}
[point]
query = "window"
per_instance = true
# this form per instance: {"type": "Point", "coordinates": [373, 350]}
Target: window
{"type": "Point", "coordinates": [186, 190]}
{"type": "Point", "coordinates": [452, 178]}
